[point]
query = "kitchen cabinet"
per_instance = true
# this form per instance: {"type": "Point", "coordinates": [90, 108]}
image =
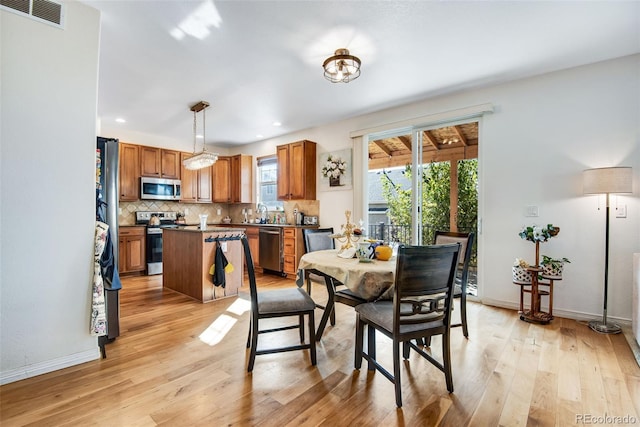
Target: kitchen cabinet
{"type": "Point", "coordinates": [293, 249]}
{"type": "Point", "coordinates": [159, 163]}
{"type": "Point", "coordinates": [221, 176]}
{"type": "Point", "coordinates": [254, 244]}
{"type": "Point", "coordinates": [196, 184]}
{"type": "Point", "coordinates": [131, 250]}
{"type": "Point", "coordinates": [129, 172]}
{"type": "Point", "coordinates": [297, 171]}
{"type": "Point", "coordinates": [233, 179]}
{"type": "Point", "coordinates": [241, 180]}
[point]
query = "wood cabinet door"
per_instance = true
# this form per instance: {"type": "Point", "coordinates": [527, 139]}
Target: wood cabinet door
{"type": "Point", "coordinates": [221, 177]}
{"type": "Point", "coordinates": [204, 185]}
{"type": "Point", "coordinates": [170, 164]}
{"type": "Point", "coordinates": [135, 253]}
{"type": "Point", "coordinates": [150, 164]}
{"type": "Point", "coordinates": [131, 249]}
{"type": "Point", "coordinates": [283, 172]}
{"type": "Point", "coordinates": [254, 244]}
{"type": "Point", "coordinates": [297, 170]}
{"type": "Point", "coordinates": [129, 172]}
{"type": "Point", "coordinates": [189, 189]}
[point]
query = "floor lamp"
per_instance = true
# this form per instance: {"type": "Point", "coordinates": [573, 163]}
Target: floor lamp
{"type": "Point", "coordinates": [606, 181]}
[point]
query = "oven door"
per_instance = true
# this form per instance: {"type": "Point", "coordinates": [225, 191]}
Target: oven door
{"type": "Point", "coordinates": [154, 251]}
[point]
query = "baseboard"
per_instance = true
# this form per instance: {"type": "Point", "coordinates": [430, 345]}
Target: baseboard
{"type": "Point", "coordinates": [568, 314]}
{"type": "Point", "coordinates": [48, 366]}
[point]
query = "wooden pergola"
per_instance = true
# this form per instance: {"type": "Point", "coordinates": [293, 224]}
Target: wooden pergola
{"type": "Point", "coordinates": [450, 143]}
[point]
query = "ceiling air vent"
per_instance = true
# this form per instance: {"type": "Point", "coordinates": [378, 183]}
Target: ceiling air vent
{"type": "Point", "coordinates": [42, 10]}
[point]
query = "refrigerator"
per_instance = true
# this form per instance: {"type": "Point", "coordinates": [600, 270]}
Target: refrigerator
{"type": "Point", "coordinates": [107, 211]}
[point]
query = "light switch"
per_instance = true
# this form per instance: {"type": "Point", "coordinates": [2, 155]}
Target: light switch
{"type": "Point", "coordinates": [621, 211]}
{"type": "Point", "coordinates": [223, 245]}
{"type": "Point", "coordinates": [531, 211]}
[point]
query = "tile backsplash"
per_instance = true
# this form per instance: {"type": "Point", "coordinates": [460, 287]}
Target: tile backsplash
{"type": "Point", "coordinates": [193, 210]}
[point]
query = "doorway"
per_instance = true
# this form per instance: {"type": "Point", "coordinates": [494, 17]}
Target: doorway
{"type": "Point", "coordinates": [421, 180]}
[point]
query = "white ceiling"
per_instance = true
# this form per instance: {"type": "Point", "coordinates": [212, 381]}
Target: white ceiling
{"type": "Point", "coordinates": [261, 62]}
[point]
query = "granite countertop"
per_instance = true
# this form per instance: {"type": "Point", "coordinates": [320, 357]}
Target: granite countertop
{"type": "Point", "coordinates": [235, 225]}
{"type": "Point", "coordinates": [210, 229]}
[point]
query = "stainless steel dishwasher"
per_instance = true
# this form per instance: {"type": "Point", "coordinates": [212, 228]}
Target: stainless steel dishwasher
{"type": "Point", "coordinates": [270, 243]}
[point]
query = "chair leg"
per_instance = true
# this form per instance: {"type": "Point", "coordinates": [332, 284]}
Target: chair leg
{"type": "Point", "coordinates": [463, 314]}
{"type": "Point", "coordinates": [312, 338]}
{"type": "Point", "coordinates": [371, 346]}
{"type": "Point", "coordinates": [332, 319]}
{"type": "Point", "coordinates": [249, 335]}
{"type": "Point", "coordinates": [396, 372]}
{"type": "Point", "coordinates": [254, 343]}
{"type": "Point", "coordinates": [405, 350]}
{"type": "Point", "coordinates": [446, 356]}
{"type": "Point", "coordinates": [301, 323]}
{"type": "Point", "coordinates": [427, 341]}
{"type": "Point", "coordinates": [357, 358]}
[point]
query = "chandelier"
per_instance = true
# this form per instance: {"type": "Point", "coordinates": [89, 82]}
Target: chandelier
{"type": "Point", "coordinates": [341, 67]}
{"type": "Point", "coordinates": [203, 159]}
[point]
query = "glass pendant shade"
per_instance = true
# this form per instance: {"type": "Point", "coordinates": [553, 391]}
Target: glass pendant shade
{"type": "Point", "coordinates": [342, 67]}
{"type": "Point", "coordinates": [204, 158]}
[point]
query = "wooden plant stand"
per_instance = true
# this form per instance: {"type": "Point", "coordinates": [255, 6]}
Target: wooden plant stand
{"type": "Point", "coordinates": [534, 314]}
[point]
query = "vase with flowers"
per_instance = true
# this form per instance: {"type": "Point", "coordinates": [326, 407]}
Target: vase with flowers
{"type": "Point", "coordinates": [333, 168]}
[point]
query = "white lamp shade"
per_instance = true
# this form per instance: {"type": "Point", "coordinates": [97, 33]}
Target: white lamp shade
{"type": "Point", "coordinates": [607, 180]}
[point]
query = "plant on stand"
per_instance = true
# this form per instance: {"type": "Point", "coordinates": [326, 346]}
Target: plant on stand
{"type": "Point", "coordinates": [538, 234]}
{"type": "Point", "coordinates": [552, 268]}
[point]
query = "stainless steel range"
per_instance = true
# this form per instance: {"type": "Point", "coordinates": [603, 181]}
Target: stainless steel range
{"type": "Point", "coordinates": [155, 222]}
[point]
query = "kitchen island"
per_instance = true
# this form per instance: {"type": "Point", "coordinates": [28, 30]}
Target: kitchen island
{"type": "Point", "coordinates": [188, 254]}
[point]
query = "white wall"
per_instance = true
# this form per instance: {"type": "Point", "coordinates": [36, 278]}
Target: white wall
{"type": "Point", "coordinates": [47, 215]}
{"type": "Point", "coordinates": [544, 131]}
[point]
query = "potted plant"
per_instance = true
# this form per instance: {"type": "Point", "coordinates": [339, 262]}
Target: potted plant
{"type": "Point", "coordinates": [537, 235]}
{"type": "Point", "coordinates": [521, 275]}
{"type": "Point", "coordinates": [552, 268]}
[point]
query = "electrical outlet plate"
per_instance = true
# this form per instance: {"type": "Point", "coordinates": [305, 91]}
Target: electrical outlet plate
{"type": "Point", "coordinates": [621, 211]}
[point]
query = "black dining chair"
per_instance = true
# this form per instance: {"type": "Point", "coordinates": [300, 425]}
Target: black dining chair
{"type": "Point", "coordinates": [320, 239]}
{"type": "Point", "coordinates": [421, 307]}
{"type": "Point", "coordinates": [277, 303]}
{"type": "Point", "coordinates": [462, 273]}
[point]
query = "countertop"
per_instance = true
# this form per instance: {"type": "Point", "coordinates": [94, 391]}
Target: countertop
{"type": "Point", "coordinates": [210, 229]}
{"type": "Point", "coordinates": [241, 224]}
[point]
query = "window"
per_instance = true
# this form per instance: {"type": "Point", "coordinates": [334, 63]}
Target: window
{"type": "Point", "coordinates": [268, 183]}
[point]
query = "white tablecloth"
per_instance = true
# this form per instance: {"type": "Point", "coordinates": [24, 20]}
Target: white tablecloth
{"type": "Point", "coordinates": [371, 280]}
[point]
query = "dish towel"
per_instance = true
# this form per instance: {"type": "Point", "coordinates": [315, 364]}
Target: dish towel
{"type": "Point", "coordinates": [220, 267]}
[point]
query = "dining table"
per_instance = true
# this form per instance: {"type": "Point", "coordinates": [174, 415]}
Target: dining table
{"type": "Point", "coordinates": [371, 280]}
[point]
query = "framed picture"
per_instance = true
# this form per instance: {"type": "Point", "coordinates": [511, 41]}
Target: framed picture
{"type": "Point", "coordinates": [335, 170]}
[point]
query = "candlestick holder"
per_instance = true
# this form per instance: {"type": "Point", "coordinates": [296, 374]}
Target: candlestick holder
{"type": "Point", "coordinates": [346, 237]}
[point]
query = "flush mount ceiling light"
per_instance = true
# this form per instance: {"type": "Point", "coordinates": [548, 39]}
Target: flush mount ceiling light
{"type": "Point", "coordinates": [341, 67]}
{"type": "Point", "coordinates": [203, 159]}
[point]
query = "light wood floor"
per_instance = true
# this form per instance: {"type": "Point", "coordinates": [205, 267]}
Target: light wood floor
{"type": "Point", "coordinates": [182, 363]}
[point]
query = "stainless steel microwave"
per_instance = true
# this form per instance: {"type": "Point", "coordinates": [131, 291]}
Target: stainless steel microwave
{"type": "Point", "coordinates": [159, 188]}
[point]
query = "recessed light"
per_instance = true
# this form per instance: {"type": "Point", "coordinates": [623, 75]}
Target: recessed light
{"type": "Point", "coordinates": [199, 136]}
{"type": "Point", "coordinates": [259, 136]}
{"type": "Point", "coordinates": [121, 120]}
{"type": "Point", "coordinates": [277, 124]}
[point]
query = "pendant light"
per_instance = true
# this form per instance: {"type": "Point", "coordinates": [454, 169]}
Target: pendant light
{"type": "Point", "coordinates": [203, 159]}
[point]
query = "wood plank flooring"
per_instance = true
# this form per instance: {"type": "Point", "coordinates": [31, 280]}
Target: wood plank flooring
{"type": "Point", "coordinates": [182, 363]}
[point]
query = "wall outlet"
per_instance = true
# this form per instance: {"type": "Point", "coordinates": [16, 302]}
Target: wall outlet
{"type": "Point", "coordinates": [186, 211]}
{"type": "Point", "coordinates": [621, 211]}
{"type": "Point", "coordinates": [218, 211]}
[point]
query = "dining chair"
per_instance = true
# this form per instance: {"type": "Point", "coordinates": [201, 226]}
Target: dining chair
{"type": "Point", "coordinates": [462, 273]}
{"type": "Point", "coordinates": [421, 306]}
{"type": "Point", "coordinates": [320, 239]}
{"type": "Point", "coordinates": [277, 303]}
